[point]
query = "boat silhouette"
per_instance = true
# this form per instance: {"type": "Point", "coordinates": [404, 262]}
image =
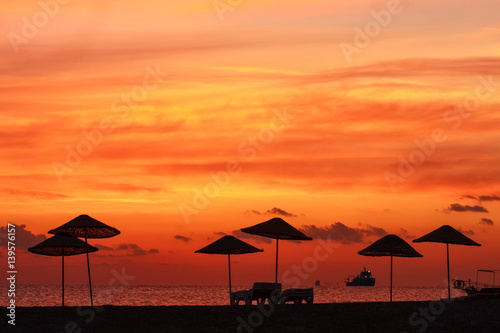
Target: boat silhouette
{"type": "Point", "coordinates": [364, 279]}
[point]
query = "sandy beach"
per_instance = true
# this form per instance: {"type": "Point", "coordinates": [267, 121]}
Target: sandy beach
{"type": "Point", "coordinates": [470, 315]}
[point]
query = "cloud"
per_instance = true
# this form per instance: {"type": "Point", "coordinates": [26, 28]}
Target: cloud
{"type": "Point", "coordinates": [403, 233]}
{"type": "Point", "coordinates": [470, 197]}
{"type": "Point", "coordinates": [183, 238]}
{"type": "Point", "coordinates": [273, 211]}
{"type": "Point", "coordinates": [486, 221]}
{"type": "Point", "coordinates": [489, 198]}
{"type": "Point", "coordinates": [343, 233]}
{"type": "Point", "coordinates": [126, 188]}
{"type": "Point", "coordinates": [136, 250]}
{"type": "Point", "coordinates": [24, 237]}
{"type": "Point", "coordinates": [40, 195]}
{"type": "Point", "coordinates": [220, 233]}
{"type": "Point", "coordinates": [466, 208]}
{"type": "Point", "coordinates": [466, 232]}
{"type": "Point", "coordinates": [103, 247]}
{"type": "Point", "coordinates": [133, 250]}
{"type": "Point", "coordinates": [244, 235]}
{"type": "Point", "coordinates": [482, 197]}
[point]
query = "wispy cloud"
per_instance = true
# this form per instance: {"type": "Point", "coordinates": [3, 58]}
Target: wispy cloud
{"type": "Point", "coordinates": [183, 238]}
{"type": "Point", "coordinates": [126, 188]}
{"type": "Point", "coordinates": [244, 235]}
{"type": "Point", "coordinates": [466, 232]}
{"type": "Point", "coordinates": [40, 195]}
{"type": "Point", "coordinates": [483, 197]}
{"type": "Point", "coordinates": [273, 211]}
{"type": "Point", "coordinates": [403, 233]}
{"type": "Point", "coordinates": [131, 249]}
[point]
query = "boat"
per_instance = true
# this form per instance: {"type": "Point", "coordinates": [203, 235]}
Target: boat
{"type": "Point", "coordinates": [364, 279]}
{"type": "Point", "coordinates": [479, 288]}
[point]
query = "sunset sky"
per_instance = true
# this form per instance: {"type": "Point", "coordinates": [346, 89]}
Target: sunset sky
{"type": "Point", "coordinates": [177, 122]}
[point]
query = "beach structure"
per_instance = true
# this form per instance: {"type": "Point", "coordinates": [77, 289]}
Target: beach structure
{"type": "Point", "coordinates": [393, 246]}
{"type": "Point", "coordinates": [297, 295]}
{"type": "Point", "coordinates": [278, 229]}
{"type": "Point", "coordinates": [260, 292]}
{"type": "Point", "coordinates": [84, 226]}
{"type": "Point", "coordinates": [62, 245]}
{"type": "Point", "coordinates": [228, 245]}
{"type": "Point", "coordinates": [478, 288]}
{"type": "Point", "coordinates": [449, 235]}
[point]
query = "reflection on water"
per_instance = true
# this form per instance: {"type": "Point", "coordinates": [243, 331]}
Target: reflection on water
{"type": "Point", "coordinates": [34, 295]}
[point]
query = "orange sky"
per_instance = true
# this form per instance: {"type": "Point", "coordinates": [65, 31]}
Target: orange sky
{"type": "Point", "coordinates": [172, 119]}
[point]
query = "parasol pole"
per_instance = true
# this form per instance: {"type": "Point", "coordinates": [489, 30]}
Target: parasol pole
{"type": "Point", "coordinates": [229, 265]}
{"type": "Point", "coordinates": [88, 269]}
{"type": "Point", "coordinates": [448, 266]}
{"type": "Point", "coordinates": [276, 276]}
{"type": "Point", "coordinates": [63, 278]}
{"type": "Point", "coordinates": [391, 278]}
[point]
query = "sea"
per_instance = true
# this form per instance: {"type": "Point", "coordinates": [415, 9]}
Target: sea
{"type": "Point", "coordinates": [78, 295]}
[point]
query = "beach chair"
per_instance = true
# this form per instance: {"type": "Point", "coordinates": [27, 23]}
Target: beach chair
{"type": "Point", "coordinates": [297, 295]}
{"type": "Point", "coordinates": [259, 292]}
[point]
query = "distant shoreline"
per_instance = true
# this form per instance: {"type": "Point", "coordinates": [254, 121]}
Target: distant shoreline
{"type": "Point", "coordinates": [474, 315]}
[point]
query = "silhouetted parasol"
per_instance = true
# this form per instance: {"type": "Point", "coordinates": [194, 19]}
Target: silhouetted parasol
{"type": "Point", "coordinates": [228, 245]}
{"type": "Point", "coordinates": [85, 226]}
{"type": "Point", "coordinates": [279, 229]}
{"type": "Point", "coordinates": [449, 235]}
{"type": "Point", "coordinates": [62, 245]}
{"type": "Point", "coordinates": [390, 245]}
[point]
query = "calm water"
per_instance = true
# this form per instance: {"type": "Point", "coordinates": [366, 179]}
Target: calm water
{"type": "Point", "coordinates": [31, 295]}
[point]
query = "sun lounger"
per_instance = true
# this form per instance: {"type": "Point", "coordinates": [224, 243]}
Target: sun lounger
{"type": "Point", "coordinates": [259, 292]}
{"type": "Point", "coordinates": [297, 295]}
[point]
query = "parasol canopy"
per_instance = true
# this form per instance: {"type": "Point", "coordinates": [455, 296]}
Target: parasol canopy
{"type": "Point", "coordinates": [446, 234]}
{"type": "Point", "coordinates": [449, 235]}
{"type": "Point", "coordinates": [276, 228]}
{"type": "Point", "coordinates": [228, 245]}
{"type": "Point", "coordinates": [62, 245]}
{"type": "Point", "coordinates": [390, 246]}
{"type": "Point", "coordinates": [279, 229]}
{"type": "Point", "coordinates": [85, 226]}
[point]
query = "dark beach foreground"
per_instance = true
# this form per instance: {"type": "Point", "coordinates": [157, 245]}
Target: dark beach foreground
{"type": "Point", "coordinates": [470, 315]}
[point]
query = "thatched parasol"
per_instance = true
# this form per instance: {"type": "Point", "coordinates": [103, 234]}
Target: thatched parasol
{"type": "Point", "coordinates": [279, 229]}
{"type": "Point", "coordinates": [62, 245]}
{"type": "Point", "coordinates": [393, 246]}
{"type": "Point", "coordinates": [449, 235]}
{"type": "Point", "coordinates": [85, 226]}
{"type": "Point", "coordinates": [228, 245]}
